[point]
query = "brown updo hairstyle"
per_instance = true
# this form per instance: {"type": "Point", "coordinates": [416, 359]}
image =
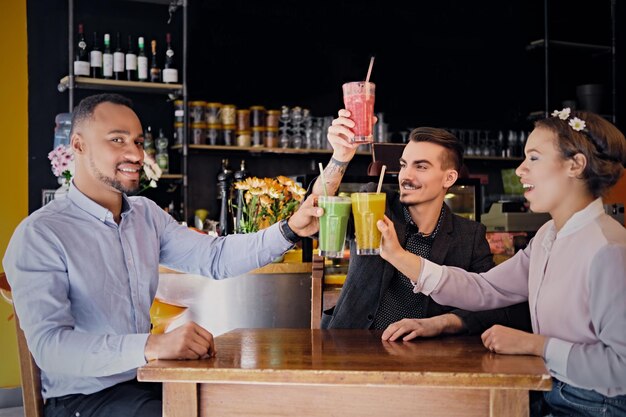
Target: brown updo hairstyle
{"type": "Point", "coordinates": [602, 144]}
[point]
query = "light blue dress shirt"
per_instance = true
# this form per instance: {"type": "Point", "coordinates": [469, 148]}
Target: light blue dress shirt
{"type": "Point", "coordinates": [82, 285]}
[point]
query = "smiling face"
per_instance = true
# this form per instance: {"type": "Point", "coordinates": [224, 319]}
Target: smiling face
{"type": "Point", "coordinates": [422, 178]}
{"type": "Point", "coordinates": [550, 182]}
{"type": "Point", "coordinates": [109, 150]}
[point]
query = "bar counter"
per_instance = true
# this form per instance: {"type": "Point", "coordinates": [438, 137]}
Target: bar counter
{"type": "Point", "coordinates": [303, 372]}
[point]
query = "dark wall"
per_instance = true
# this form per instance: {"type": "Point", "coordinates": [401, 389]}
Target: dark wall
{"type": "Point", "coordinates": [450, 63]}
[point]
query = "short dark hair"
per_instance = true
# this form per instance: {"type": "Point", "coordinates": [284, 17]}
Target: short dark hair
{"type": "Point", "coordinates": [602, 144]}
{"type": "Point", "coordinates": [84, 110]}
{"type": "Point", "coordinates": [453, 156]}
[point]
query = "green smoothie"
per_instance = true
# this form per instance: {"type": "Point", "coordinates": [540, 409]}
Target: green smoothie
{"type": "Point", "coordinates": [333, 225]}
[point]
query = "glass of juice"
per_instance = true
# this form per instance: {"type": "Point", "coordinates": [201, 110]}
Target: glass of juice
{"type": "Point", "coordinates": [333, 225]}
{"type": "Point", "coordinates": [367, 209]}
{"type": "Point", "coordinates": [358, 98]}
{"type": "Point", "coordinates": [162, 314]}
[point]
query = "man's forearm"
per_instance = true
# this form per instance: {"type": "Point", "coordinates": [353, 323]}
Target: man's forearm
{"type": "Point", "coordinates": [333, 173]}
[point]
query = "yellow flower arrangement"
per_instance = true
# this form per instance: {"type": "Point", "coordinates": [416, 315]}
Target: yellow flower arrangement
{"type": "Point", "coordinates": [267, 201]}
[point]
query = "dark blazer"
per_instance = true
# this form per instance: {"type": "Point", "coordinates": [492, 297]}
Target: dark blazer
{"type": "Point", "coordinates": [459, 242]}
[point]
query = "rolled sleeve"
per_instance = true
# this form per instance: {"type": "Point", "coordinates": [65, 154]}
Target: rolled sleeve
{"type": "Point", "coordinates": [429, 277]}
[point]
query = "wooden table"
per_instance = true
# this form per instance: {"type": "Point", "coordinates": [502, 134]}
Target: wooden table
{"type": "Point", "coordinates": [302, 372]}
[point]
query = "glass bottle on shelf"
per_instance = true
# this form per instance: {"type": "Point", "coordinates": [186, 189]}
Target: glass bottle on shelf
{"type": "Point", "coordinates": [148, 143]}
{"type": "Point", "coordinates": [297, 139]}
{"type": "Point", "coordinates": [155, 71]}
{"type": "Point", "coordinates": [107, 58]}
{"type": "Point", "coordinates": [95, 58]}
{"type": "Point", "coordinates": [131, 61]}
{"type": "Point", "coordinates": [118, 60]}
{"type": "Point", "coordinates": [224, 185]}
{"type": "Point", "coordinates": [240, 175]}
{"type": "Point", "coordinates": [142, 61]}
{"type": "Point", "coordinates": [170, 74]}
{"type": "Point", "coordinates": [162, 157]}
{"type": "Point", "coordinates": [284, 140]}
{"type": "Point", "coordinates": [81, 61]}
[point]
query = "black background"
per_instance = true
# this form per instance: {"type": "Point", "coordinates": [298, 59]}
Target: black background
{"type": "Point", "coordinates": [450, 63]}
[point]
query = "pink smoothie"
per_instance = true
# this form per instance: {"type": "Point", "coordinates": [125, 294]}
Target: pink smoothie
{"type": "Point", "coordinates": [361, 106]}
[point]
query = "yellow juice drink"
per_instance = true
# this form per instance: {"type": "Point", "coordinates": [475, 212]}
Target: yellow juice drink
{"type": "Point", "coordinates": [367, 209]}
{"type": "Point", "coordinates": [162, 314]}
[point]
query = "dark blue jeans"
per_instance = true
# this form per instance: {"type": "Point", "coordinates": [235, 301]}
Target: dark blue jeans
{"type": "Point", "coordinates": [566, 400]}
{"type": "Point", "coordinates": [128, 399]}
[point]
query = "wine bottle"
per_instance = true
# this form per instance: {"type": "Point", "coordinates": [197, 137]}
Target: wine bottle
{"type": "Point", "coordinates": [95, 58]}
{"type": "Point", "coordinates": [155, 71]}
{"type": "Point", "coordinates": [142, 62]}
{"type": "Point", "coordinates": [107, 58]}
{"type": "Point", "coordinates": [131, 61]}
{"type": "Point", "coordinates": [170, 74]}
{"type": "Point", "coordinates": [240, 175]}
{"type": "Point", "coordinates": [162, 157]}
{"type": "Point", "coordinates": [148, 143]}
{"type": "Point", "coordinates": [118, 60]}
{"type": "Point", "coordinates": [81, 61]}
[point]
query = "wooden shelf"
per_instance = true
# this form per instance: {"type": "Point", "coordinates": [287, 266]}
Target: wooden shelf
{"type": "Point", "coordinates": [540, 43]}
{"type": "Point", "coordinates": [171, 177]}
{"type": "Point", "coordinates": [117, 85]}
{"type": "Point", "coordinates": [262, 149]}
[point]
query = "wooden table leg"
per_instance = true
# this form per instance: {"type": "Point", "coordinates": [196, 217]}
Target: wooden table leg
{"type": "Point", "coordinates": [508, 403]}
{"type": "Point", "coordinates": [180, 399]}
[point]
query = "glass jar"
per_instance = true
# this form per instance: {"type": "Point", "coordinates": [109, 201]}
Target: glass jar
{"type": "Point", "coordinates": [228, 135]}
{"type": "Point", "coordinates": [198, 133]}
{"type": "Point", "coordinates": [228, 114]}
{"type": "Point", "coordinates": [212, 113]}
{"type": "Point", "coordinates": [273, 116]}
{"type": "Point", "coordinates": [179, 112]}
{"type": "Point", "coordinates": [271, 137]}
{"type": "Point", "coordinates": [243, 138]}
{"type": "Point", "coordinates": [179, 132]}
{"type": "Point", "coordinates": [196, 111]}
{"type": "Point", "coordinates": [257, 116]}
{"type": "Point", "coordinates": [258, 134]}
{"type": "Point", "coordinates": [243, 120]}
{"type": "Point", "coordinates": [213, 134]}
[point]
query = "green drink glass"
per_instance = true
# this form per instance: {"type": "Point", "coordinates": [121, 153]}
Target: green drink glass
{"type": "Point", "coordinates": [333, 225]}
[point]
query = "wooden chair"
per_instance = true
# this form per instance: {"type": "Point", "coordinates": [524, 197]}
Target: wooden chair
{"type": "Point", "coordinates": [317, 291]}
{"type": "Point", "coordinates": [31, 378]}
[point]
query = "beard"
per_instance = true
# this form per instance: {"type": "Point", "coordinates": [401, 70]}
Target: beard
{"type": "Point", "coordinates": [112, 182]}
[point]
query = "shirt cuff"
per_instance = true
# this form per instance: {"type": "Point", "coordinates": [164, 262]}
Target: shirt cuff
{"type": "Point", "coordinates": [429, 277]}
{"type": "Point", "coordinates": [556, 354]}
{"type": "Point", "coordinates": [134, 348]}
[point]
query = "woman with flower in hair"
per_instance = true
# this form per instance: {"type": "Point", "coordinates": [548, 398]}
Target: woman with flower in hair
{"type": "Point", "coordinates": [573, 272]}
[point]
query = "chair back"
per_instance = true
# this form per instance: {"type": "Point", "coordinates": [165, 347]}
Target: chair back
{"type": "Point", "coordinates": [317, 291]}
{"type": "Point", "coordinates": [31, 377]}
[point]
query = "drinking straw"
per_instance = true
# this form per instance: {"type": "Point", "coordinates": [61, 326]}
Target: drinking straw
{"type": "Point", "coordinates": [367, 78]}
{"type": "Point", "coordinates": [380, 181]}
{"type": "Point", "coordinates": [323, 180]}
{"type": "Point", "coordinates": [369, 70]}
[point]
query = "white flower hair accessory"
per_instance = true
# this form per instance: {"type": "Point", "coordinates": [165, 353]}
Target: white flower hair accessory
{"type": "Point", "coordinates": [577, 124]}
{"type": "Point", "coordinates": [562, 114]}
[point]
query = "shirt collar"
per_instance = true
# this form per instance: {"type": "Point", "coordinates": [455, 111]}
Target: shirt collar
{"type": "Point", "coordinates": [582, 218]}
{"type": "Point", "coordinates": [91, 207]}
{"type": "Point", "coordinates": [412, 227]}
{"type": "Point", "coordinates": [579, 220]}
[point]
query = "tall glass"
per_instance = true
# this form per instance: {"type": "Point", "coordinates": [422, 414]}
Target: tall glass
{"type": "Point", "coordinates": [358, 98]}
{"type": "Point", "coordinates": [367, 209]}
{"type": "Point", "coordinates": [333, 225]}
{"type": "Point", "coordinates": [162, 314]}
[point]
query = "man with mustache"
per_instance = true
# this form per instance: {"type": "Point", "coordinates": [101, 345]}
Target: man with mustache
{"type": "Point", "coordinates": [84, 271]}
{"type": "Point", "coordinates": [375, 294]}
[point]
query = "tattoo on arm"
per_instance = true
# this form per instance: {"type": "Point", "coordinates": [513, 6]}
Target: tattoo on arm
{"type": "Point", "coordinates": [333, 173]}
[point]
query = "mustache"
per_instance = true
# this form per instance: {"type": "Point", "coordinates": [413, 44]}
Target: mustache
{"type": "Point", "coordinates": [408, 182]}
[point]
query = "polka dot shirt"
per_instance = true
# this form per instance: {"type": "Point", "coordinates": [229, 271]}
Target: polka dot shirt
{"type": "Point", "coordinates": [399, 301]}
